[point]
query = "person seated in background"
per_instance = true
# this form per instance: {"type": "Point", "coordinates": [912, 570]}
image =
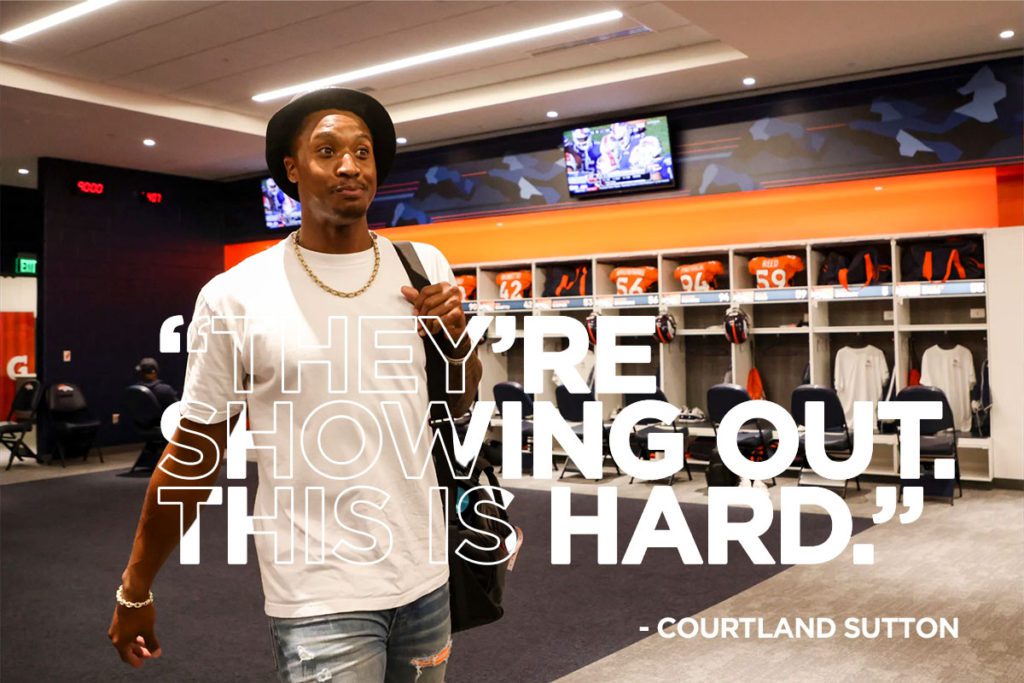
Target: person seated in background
{"type": "Point", "coordinates": [149, 370]}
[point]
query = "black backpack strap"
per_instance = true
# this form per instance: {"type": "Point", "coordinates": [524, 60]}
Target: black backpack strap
{"type": "Point", "coordinates": [413, 266]}
{"type": "Point", "coordinates": [436, 367]}
{"type": "Point", "coordinates": [437, 370]}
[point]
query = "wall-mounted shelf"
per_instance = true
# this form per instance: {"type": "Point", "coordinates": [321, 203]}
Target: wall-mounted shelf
{"type": "Point", "coordinates": [717, 331]}
{"type": "Point", "coordinates": [568, 303]}
{"type": "Point", "coordinates": [759, 296]}
{"type": "Point", "coordinates": [830, 293]}
{"type": "Point", "coordinates": [855, 329]}
{"type": "Point", "coordinates": [502, 305]}
{"type": "Point", "coordinates": [914, 290]}
{"type": "Point", "coordinates": [945, 327]}
{"type": "Point", "coordinates": [781, 330]}
{"type": "Point", "coordinates": [628, 301]}
{"type": "Point", "coordinates": [696, 298]}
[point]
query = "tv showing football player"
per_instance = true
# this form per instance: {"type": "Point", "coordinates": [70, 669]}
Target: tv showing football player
{"type": "Point", "coordinates": [618, 156]}
{"type": "Point", "coordinates": [279, 210]}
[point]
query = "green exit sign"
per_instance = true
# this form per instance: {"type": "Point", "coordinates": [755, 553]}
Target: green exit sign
{"type": "Point", "coordinates": [25, 265]}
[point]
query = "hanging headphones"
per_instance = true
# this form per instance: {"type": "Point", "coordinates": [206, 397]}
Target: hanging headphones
{"type": "Point", "coordinates": [665, 328]}
{"type": "Point", "coordinates": [737, 325]}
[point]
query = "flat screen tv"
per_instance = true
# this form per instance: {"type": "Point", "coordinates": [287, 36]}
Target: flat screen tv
{"type": "Point", "coordinates": [279, 210]}
{"type": "Point", "coordinates": [620, 156]}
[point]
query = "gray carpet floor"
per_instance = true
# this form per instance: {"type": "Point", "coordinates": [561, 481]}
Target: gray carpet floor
{"type": "Point", "coordinates": [65, 541]}
{"type": "Point", "coordinates": [964, 561]}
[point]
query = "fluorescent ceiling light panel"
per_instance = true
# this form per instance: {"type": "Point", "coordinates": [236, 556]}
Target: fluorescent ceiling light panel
{"type": "Point", "coordinates": [559, 83]}
{"type": "Point", "coordinates": [438, 55]}
{"type": "Point", "coordinates": [55, 19]}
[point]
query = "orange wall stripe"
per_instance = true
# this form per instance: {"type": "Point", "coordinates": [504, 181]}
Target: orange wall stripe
{"type": "Point", "coordinates": [1010, 181]}
{"type": "Point", "coordinates": [236, 253]}
{"type": "Point", "coordinates": [926, 202]}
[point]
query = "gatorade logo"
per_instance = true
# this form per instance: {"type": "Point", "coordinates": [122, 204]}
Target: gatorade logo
{"type": "Point", "coordinates": [17, 366]}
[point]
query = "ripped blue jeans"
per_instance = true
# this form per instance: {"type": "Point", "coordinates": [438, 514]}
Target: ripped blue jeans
{"type": "Point", "coordinates": [408, 643]}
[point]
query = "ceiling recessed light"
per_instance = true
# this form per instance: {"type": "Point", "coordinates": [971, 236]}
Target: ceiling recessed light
{"type": "Point", "coordinates": [446, 53]}
{"type": "Point", "coordinates": [149, 142]}
{"type": "Point", "coordinates": [22, 171]}
{"type": "Point", "coordinates": [552, 114]}
{"type": "Point", "coordinates": [401, 141]}
{"type": "Point", "coordinates": [878, 188]}
{"type": "Point", "coordinates": [1007, 34]}
{"type": "Point", "coordinates": [749, 81]}
{"type": "Point", "coordinates": [54, 19]}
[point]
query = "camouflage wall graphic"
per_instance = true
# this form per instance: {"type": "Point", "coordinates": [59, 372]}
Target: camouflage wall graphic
{"type": "Point", "coordinates": [959, 117]}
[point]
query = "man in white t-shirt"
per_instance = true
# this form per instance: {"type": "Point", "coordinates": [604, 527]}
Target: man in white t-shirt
{"type": "Point", "coordinates": [317, 338]}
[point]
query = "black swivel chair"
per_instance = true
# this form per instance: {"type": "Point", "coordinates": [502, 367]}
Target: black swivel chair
{"type": "Point", "coordinates": [73, 424]}
{"type": "Point", "coordinates": [648, 426]}
{"type": "Point", "coordinates": [19, 420]}
{"type": "Point", "coordinates": [512, 392]}
{"type": "Point", "coordinates": [837, 437]}
{"type": "Point", "coordinates": [144, 409]}
{"type": "Point", "coordinates": [570, 406]}
{"type": "Point", "coordinates": [938, 437]}
{"type": "Point", "coordinates": [753, 440]}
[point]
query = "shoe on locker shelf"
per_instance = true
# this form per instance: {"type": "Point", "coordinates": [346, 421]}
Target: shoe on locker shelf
{"type": "Point", "coordinates": [692, 415]}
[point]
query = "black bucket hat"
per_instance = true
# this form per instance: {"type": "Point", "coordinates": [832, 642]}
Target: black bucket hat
{"type": "Point", "coordinates": [284, 125]}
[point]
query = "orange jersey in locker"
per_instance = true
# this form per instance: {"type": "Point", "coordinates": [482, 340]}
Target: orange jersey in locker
{"type": "Point", "coordinates": [633, 279]}
{"type": "Point", "coordinates": [466, 285]}
{"type": "Point", "coordinates": [699, 277]}
{"type": "Point", "coordinates": [513, 284]}
{"type": "Point", "coordinates": [772, 272]}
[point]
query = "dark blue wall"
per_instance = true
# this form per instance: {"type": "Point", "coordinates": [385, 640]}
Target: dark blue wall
{"type": "Point", "coordinates": [112, 269]}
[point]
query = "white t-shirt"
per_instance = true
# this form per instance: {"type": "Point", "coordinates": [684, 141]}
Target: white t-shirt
{"type": "Point", "coordinates": [298, 345]}
{"type": "Point", "coordinates": [861, 375]}
{"type": "Point", "coordinates": [951, 370]}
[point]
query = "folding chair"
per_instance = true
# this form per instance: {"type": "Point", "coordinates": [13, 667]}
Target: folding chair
{"type": "Point", "coordinates": [938, 437]}
{"type": "Point", "coordinates": [73, 423]}
{"type": "Point", "coordinates": [751, 442]}
{"type": "Point", "coordinates": [648, 426]}
{"type": "Point", "coordinates": [837, 437]}
{"type": "Point", "coordinates": [570, 406]}
{"type": "Point", "coordinates": [512, 392]}
{"type": "Point", "coordinates": [144, 409]}
{"type": "Point", "coordinates": [19, 420]}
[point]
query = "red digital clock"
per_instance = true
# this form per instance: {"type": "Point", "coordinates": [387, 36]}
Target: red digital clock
{"type": "Point", "coordinates": [89, 187]}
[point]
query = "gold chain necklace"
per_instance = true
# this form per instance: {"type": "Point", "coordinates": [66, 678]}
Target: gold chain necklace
{"type": "Point", "coordinates": [331, 290]}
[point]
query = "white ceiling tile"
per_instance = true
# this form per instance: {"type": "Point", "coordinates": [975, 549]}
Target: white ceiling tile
{"type": "Point", "coordinates": [217, 25]}
{"type": "Point", "coordinates": [102, 26]}
{"type": "Point", "coordinates": [312, 49]}
{"type": "Point", "coordinates": [657, 16]}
